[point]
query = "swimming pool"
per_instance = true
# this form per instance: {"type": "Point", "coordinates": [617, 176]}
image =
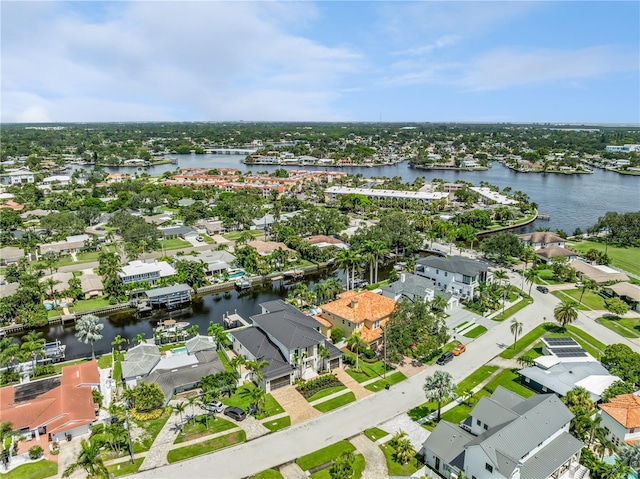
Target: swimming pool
{"type": "Point", "coordinates": [237, 274]}
{"type": "Point", "coordinates": [179, 351]}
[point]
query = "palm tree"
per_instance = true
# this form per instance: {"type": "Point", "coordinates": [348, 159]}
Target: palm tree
{"type": "Point", "coordinates": [257, 396]}
{"type": "Point", "coordinates": [587, 284]}
{"type": "Point", "coordinates": [566, 312]}
{"type": "Point", "coordinates": [235, 362]}
{"type": "Point", "coordinates": [334, 287]}
{"type": "Point", "coordinates": [355, 343]}
{"type": "Point", "coordinates": [530, 275]}
{"type": "Point", "coordinates": [219, 335]}
{"type": "Point", "coordinates": [33, 345]}
{"type": "Point", "coordinates": [256, 366]}
{"type": "Point", "coordinates": [324, 354]}
{"type": "Point", "coordinates": [50, 283]}
{"type": "Point", "coordinates": [119, 341]}
{"type": "Point", "coordinates": [89, 460]}
{"type": "Point", "coordinates": [439, 303]}
{"type": "Point", "coordinates": [516, 330]}
{"type": "Point", "coordinates": [348, 260]}
{"type": "Point", "coordinates": [501, 275]}
{"type": "Point", "coordinates": [439, 387]}
{"type": "Point", "coordinates": [404, 450]}
{"type": "Point", "coordinates": [192, 401]}
{"type": "Point", "coordinates": [193, 330]}
{"type": "Point", "coordinates": [367, 254]}
{"type": "Point", "coordinates": [179, 408]}
{"type": "Point", "coordinates": [139, 338]}
{"type": "Point", "coordinates": [630, 455]}
{"type": "Point", "coordinates": [88, 329]}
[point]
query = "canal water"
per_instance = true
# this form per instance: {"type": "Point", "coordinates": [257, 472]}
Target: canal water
{"type": "Point", "coordinates": [571, 200]}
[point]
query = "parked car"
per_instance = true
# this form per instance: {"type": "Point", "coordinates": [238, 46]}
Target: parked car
{"type": "Point", "coordinates": [542, 289]}
{"type": "Point", "coordinates": [445, 358]}
{"type": "Point", "coordinates": [199, 238]}
{"type": "Point", "coordinates": [235, 413]}
{"type": "Point", "coordinates": [215, 407]}
{"type": "Point", "coordinates": [459, 349]}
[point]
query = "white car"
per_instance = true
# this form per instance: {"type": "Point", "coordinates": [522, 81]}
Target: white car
{"type": "Point", "coordinates": [215, 407]}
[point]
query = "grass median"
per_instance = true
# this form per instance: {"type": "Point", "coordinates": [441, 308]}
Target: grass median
{"type": "Point", "coordinates": [336, 402]}
{"type": "Point", "coordinates": [125, 468]}
{"type": "Point", "coordinates": [204, 447]}
{"type": "Point", "coordinates": [324, 455]}
{"type": "Point", "coordinates": [390, 380]}
{"type": "Point", "coordinates": [277, 424]}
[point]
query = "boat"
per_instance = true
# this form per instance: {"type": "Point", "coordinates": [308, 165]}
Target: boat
{"type": "Point", "coordinates": [243, 283]}
{"type": "Point", "coordinates": [294, 273]}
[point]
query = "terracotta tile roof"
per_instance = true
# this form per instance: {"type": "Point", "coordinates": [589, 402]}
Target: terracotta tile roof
{"type": "Point", "coordinates": [322, 321]}
{"type": "Point", "coordinates": [625, 409]}
{"type": "Point", "coordinates": [370, 335]}
{"type": "Point", "coordinates": [356, 306]}
{"type": "Point", "coordinates": [67, 406]}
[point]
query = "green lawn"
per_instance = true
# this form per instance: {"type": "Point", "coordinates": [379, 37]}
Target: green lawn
{"type": "Point", "coordinates": [368, 371]}
{"type": "Point", "coordinates": [563, 297]}
{"type": "Point", "coordinates": [33, 470]}
{"type": "Point", "coordinates": [225, 361]}
{"type": "Point", "coordinates": [375, 433]}
{"type": "Point", "coordinates": [174, 243]}
{"type": "Point", "coordinates": [461, 411]}
{"type": "Point", "coordinates": [391, 379]}
{"type": "Point", "coordinates": [523, 303]}
{"type": "Point", "coordinates": [105, 361]}
{"type": "Point", "coordinates": [623, 257]}
{"type": "Point", "coordinates": [269, 474]}
{"type": "Point", "coordinates": [475, 332]}
{"type": "Point", "coordinates": [475, 378]}
{"type": "Point", "coordinates": [88, 305]}
{"type": "Point", "coordinates": [234, 235]}
{"type": "Point", "coordinates": [324, 455]}
{"type": "Point", "coordinates": [210, 445]}
{"type": "Point", "coordinates": [423, 410]}
{"type": "Point", "coordinates": [546, 276]}
{"type": "Point", "coordinates": [152, 428]}
{"type": "Point", "coordinates": [395, 467]}
{"type": "Point", "coordinates": [527, 340]}
{"type": "Point", "coordinates": [277, 424]}
{"type": "Point", "coordinates": [198, 428]}
{"type": "Point", "coordinates": [590, 299]}
{"type": "Point", "coordinates": [587, 337]}
{"type": "Point", "coordinates": [335, 402]}
{"type": "Point", "coordinates": [357, 465]}
{"type": "Point", "coordinates": [326, 392]}
{"type": "Point", "coordinates": [124, 468]}
{"type": "Point", "coordinates": [243, 401]}
{"type": "Point", "coordinates": [509, 379]}
{"type": "Point", "coordinates": [207, 239]}
{"type": "Point", "coordinates": [615, 325]}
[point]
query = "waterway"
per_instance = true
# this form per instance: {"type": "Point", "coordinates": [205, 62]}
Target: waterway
{"type": "Point", "coordinates": [571, 200]}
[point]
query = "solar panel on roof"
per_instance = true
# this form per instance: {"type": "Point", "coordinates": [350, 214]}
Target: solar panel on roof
{"type": "Point", "coordinates": [561, 342]}
{"type": "Point", "coordinates": [572, 353]}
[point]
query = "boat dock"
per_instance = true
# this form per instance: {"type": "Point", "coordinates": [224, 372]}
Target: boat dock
{"type": "Point", "coordinates": [543, 216]}
{"type": "Point", "coordinates": [170, 297]}
{"type": "Point", "coordinates": [233, 321]}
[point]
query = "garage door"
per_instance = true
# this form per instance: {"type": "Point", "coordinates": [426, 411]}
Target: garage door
{"type": "Point", "coordinates": [280, 382]}
{"type": "Point", "coordinates": [335, 363]}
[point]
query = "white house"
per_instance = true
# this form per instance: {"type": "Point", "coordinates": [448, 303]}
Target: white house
{"type": "Point", "coordinates": [621, 418]}
{"type": "Point", "coordinates": [139, 271]}
{"type": "Point", "coordinates": [508, 437]}
{"type": "Point", "coordinates": [413, 287]}
{"type": "Point", "coordinates": [456, 275]}
{"type": "Point", "coordinates": [542, 239]}
{"type": "Point", "coordinates": [17, 176]}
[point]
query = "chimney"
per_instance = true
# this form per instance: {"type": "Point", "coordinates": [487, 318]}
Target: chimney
{"type": "Point", "coordinates": [402, 277]}
{"type": "Point", "coordinates": [354, 304]}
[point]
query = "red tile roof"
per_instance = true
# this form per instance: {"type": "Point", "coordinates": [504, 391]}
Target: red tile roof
{"type": "Point", "coordinates": [356, 306]}
{"type": "Point", "coordinates": [625, 409]}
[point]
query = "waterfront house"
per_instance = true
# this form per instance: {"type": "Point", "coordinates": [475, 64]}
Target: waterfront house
{"type": "Point", "coordinates": [265, 248]}
{"type": "Point", "coordinates": [140, 271]}
{"type": "Point", "coordinates": [323, 241]}
{"type": "Point", "coordinates": [416, 288]}
{"type": "Point", "coordinates": [621, 418]}
{"type": "Point", "coordinates": [361, 311]}
{"type": "Point", "coordinates": [542, 239]}
{"type": "Point", "coordinates": [629, 293]}
{"type": "Point", "coordinates": [549, 253]}
{"type": "Point", "coordinates": [61, 281]}
{"type": "Point", "coordinates": [456, 275]}
{"type": "Point", "coordinates": [91, 285]}
{"type": "Point", "coordinates": [16, 176]}
{"type": "Point", "coordinates": [216, 261]}
{"type": "Point", "coordinates": [508, 437]}
{"type": "Point", "coordinates": [290, 340]}
{"type": "Point", "coordinates": [57, 407]}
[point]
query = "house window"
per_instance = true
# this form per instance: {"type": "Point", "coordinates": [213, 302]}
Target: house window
{"type": "Point", "coordinates": [486, 427]}
{"type": "Point", "coordinates": [544, 389]}
{"type": "Point", "coordinates": [488, 467]}
{"type": "Point", "coordinates": [446, 274]}
{"type": "Point", "coordinates": [478, 423]}
{"type": "Point", "coordinates": [437, 271]}
{"type": "Point", "coordinates": [527, 380]}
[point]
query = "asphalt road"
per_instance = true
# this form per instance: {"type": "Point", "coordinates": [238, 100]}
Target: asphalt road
{"type": "Point", "coordinates": [287, 445]}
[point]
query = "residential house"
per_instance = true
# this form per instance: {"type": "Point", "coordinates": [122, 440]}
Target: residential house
{"type": "Point", "coordinates": [11, 205]}
{"type": "Point", "coordinates": [61, 279]}
{"type": "Point", "coordinates": [508, 437]}
{"type": "Point", "coordinates": [323, 241]}
{"type": "Point", "coordinates": [16, 176]}
{"type": "Point", "coordinates": [216, 261]}
{"type": "Point", "coordinates": [56, 180]}
{"type": "Point", "coordinates": [542, 239]}
{"type": "Point", "coordinates": [211, 227]}
{"type": "Point", "coordinates": [173, 371]}
{"type": "Point", "coordinates": [488, 196]}
{"type": "Point", "coordinates": [9, 255]}
{"type": "Point", "coordinates": [289, 340]}
{"type": "Point", "coordinates": [456, 275]}
{"type": "Point", "coordinates": [59, 406]}
{"type": "Point", "coordinates": [565, 365]}
{"type": "Point", "coordinates": [597, 272]}
{"type": "Point", "coordinates": [91, 285]}
{"type": "Point", "coordinates": [621, 418]}
{"type": "Point", "coordinates": [265, 248]}
{"type": "Point", "coordinates": [8, 289]}
{"type": "Point", "coordinates": [140, 271]}
{"type": "Point", "coordinates": [549, 253]}
{"type": "Point", "coordinates": [178, 232]}
{"type": "Point", "coordinates": [361, 311]}
{"type": "Point", "coordinates": [630, 293]}
{"type": "Point", "coordinates": [72, 244]}
{"type": "Point", "coordinates": [416, 288]}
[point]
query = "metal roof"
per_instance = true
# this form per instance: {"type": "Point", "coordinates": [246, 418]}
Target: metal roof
{"type": "Point", "coordinates": [447, 441]}
{"type": "Point", "coordinates": [261, 347]}
{"type": "Point", "coordinates": [551, 457]}
{"type": "Point", "coordinates": [176, 288]}
{"type": "Point", "coordinates": [455, 264]}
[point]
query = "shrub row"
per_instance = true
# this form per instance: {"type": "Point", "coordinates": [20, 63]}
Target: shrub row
{"type": "Point", "coordinates": [146, 415]}
{"type": "Point", "coordinates": [309, 388]}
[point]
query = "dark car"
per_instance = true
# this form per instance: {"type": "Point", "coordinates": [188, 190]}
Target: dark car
{"type": "Point", "coordinates": [542, 289]}
{"type": "Point", "coordinates": [235, 413]}
{"type": "Point", "coordinates": [445, 358]}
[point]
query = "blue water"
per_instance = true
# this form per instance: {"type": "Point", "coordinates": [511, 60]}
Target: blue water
{"type": "Point", "coordinates": [612, 460]}
{"type": "Point", "coordinates": [237, 274]}
{"type": "Point", "coordinates": [179, 351]}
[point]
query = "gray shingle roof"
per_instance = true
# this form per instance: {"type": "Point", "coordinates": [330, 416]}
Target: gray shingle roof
{"type": "Point", "coordinates": [200, 343]}
{"type": "Point", "coordinates": [551, 457]}
{"type": "Point", "coordinates": [455, 264]}
{"type": "Point", "coordinates": [140, 360]}
{"type": "Point", "coordinates": [175, 289]}
{"type": "Point", "coordinates": [413, 285]}
{"type": "Point", "coordinates": [259, 345]}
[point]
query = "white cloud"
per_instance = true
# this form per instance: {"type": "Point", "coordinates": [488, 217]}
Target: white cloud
{"type": "Point", "coordinates": [202, 60]}
{"type": "Point", "coordinates": [444, 41]}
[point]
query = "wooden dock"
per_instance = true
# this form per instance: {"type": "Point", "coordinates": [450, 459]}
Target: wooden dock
{"type": "Point", "coordinates": [543, 216]}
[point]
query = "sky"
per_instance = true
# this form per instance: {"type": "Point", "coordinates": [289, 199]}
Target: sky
{"type": "Point", "coordinates": [391, 61]}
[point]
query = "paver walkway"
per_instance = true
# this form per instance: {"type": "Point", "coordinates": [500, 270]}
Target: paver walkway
{"type": "Point", "coordinates": [157, 455]}
{"type": "Point", "coordinates": [292, 471]}
{"type": "Point", "coordinates": [354, 386]}
{"type": "Point", "coordinates": [375, 462]}
{"type": "Point", "coordinates": [295, 404]}
{"type": "Point", "coordinates": [409, 368]}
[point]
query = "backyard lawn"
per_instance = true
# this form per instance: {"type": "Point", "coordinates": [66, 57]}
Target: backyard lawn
{"type": "Point", "coordinates": [210, 445]}
{"type": "Point", "coordinates": [88, 305]}
{"type": "Point", "coordinates": [625, 258]}
{"type": "Point", "coordinates": [336, 402]}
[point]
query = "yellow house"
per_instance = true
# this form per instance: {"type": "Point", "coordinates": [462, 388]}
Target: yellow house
{"type": "Point", "coordinates": [361, 311]}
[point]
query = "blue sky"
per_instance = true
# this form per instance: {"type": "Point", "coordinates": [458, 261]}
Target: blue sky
{"type": "Point", "coordinates": [509, 61]}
